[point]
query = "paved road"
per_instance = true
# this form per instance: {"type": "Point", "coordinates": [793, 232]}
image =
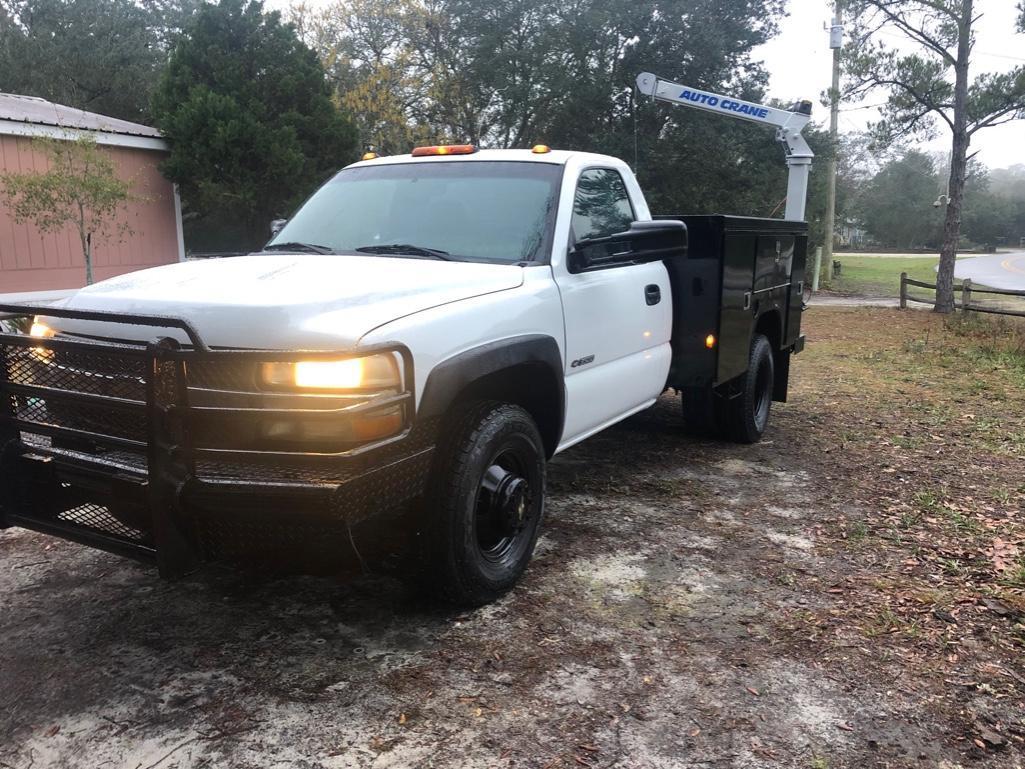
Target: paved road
{"type": "Point", "coordinates": [1006, 271]}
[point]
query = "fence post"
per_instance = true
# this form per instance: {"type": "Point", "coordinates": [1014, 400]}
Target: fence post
{"type": "Point", "coordinates": [966, 294]}
{"type": "Point", "coordinates": [903, 290]}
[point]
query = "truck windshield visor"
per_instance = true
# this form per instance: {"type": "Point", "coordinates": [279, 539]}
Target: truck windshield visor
{"type": "Point", "coordinates": [492, 211]}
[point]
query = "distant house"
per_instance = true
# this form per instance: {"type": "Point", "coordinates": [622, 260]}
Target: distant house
{"type": "Point", "coordinates": [32, 262]}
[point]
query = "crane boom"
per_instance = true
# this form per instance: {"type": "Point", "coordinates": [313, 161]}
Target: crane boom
{"type": "Point", "coordinates": [788, 124]}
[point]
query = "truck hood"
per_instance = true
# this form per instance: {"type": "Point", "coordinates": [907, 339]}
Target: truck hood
{"type": "Point", "coordinates": [284, 301]}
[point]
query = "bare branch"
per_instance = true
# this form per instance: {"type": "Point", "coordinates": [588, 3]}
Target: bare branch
{"type": "Point", "coordinates": [1015, 112]}
{"type": "Point", "coordinates": [912, 31]}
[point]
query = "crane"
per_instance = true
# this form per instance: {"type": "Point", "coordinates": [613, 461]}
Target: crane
{"type": "Point", "coordinates": [788, 124]}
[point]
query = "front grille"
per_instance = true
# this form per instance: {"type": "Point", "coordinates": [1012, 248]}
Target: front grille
{"type": "Point", "coordinates": [112, 386]}
{"type": "Point", "coordinates": [199, 406]}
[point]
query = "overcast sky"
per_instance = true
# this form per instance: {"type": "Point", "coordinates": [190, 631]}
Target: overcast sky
{"type": "Point", "coordinates": [800, 64]}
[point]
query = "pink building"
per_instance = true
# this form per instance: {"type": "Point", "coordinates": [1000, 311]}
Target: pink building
{"type": "Point", "coordinates": [33, 262]}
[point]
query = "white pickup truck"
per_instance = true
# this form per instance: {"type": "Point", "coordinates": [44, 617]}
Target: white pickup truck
{"type": "Point", "coordinates": [404, 356]}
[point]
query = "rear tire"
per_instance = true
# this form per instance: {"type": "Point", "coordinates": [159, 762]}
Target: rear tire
{"type": "Point", "coordinates": [747, 414]}
{"type": "Point", "coordinates": [485, 503]}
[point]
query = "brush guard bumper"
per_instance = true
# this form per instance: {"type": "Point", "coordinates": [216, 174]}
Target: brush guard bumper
{"type": "Point", "coordinates": [154, 451]}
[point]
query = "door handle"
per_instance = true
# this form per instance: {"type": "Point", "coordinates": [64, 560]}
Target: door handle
{"type": "Point", "coordinates": [652, 294]}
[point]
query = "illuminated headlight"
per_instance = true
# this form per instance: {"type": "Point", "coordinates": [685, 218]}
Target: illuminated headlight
{"type": "Point", "coordinates": [373, 372]}
{"type": "Point", "coordinates": [355, 382]}
{"type": "Point", "coordinates": [40, 330]}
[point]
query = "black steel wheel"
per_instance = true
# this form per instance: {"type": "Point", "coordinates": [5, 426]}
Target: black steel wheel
{"type": "Point", "coordinates": [485, 504]}
{"type": "Point", "coordinates": [747, 413]}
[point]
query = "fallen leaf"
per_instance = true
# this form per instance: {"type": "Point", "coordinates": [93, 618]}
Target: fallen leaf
{"type": "Point", "coordinates": [402, 718]}
{"type": "Point", "coordinates": [989, 736]}
{"type": "Point", "coordinates": [753, 691]}
{"type": "Point", "coordinates": [53, 730]}
{"type": "Point", "coordinates": [1003, 555]}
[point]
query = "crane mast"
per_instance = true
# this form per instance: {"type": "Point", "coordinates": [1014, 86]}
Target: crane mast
{"type": "Point", "coordinates": [788, 124]}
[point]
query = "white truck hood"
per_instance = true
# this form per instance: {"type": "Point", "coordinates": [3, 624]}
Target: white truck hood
{"type": "Point", "coordinates": [284, 301]}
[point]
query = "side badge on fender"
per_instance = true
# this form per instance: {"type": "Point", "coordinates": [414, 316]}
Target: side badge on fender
{"type": "Point", "coordinates": [582, 361]}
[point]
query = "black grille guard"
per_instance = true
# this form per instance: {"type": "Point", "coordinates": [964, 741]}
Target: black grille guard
{"type": "Point", "coordinates": [162, 367]}
{"type": "Point", "coordinates": [167, 502]}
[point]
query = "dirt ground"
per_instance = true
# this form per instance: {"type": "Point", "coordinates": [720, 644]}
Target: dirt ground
{"type": "Point", "coordinates": [847, 593]}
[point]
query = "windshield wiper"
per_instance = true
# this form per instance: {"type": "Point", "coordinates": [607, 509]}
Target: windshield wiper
{"type": "Point", "coordinates": [311, 248]}
{"type": "Point", "coordinates": [405, 248]}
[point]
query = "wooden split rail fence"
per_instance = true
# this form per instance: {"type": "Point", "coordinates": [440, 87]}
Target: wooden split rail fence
{"type": "Point", "coordinates": [967, 292]}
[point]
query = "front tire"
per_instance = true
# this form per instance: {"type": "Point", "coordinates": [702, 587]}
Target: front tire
{"type": "Point", "coordinates": [747, 415]}
{"type": "Point", "coordinates": [485, 503]}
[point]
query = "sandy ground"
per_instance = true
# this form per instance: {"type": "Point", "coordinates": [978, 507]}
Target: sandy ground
{"type": "Point", "coordinates": [657, 628]}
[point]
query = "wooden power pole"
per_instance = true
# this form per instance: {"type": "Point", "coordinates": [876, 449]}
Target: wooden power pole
{"type": "Point", "coordinates": [835, 42]}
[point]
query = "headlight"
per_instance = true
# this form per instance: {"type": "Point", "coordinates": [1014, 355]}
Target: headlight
{"type": "Point", "coordinates": [373, 372]}
{"type": "Point", "coordinates": [368, 380]}
{"type": "Point", "coordinates": [40, 330]}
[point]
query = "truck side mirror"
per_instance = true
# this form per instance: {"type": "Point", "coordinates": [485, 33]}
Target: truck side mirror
{"type": "Point", "coordinates": [277, 225]}
{"type": "Point", "coordinates": [643, 242]}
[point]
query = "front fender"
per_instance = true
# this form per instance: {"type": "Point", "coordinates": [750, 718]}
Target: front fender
{"type": "Point", "coordinates": [533, 364]}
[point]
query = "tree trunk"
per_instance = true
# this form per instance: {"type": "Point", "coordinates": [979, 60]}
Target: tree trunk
{"type": "Point", "coordinates": [958, 166]}
{"type": "Point", "coordinates": [87, 245]}
{"type": "Point", "coordinates": [89, 259]}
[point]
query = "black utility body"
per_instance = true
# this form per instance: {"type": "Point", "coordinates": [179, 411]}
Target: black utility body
{"type": "Point", "coordinates": [741, 277]}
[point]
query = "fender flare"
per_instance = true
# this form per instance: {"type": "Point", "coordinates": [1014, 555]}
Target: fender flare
{"type": "Point", "coordinates": [452, 376]}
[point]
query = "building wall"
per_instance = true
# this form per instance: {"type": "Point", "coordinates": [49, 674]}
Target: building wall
{"type": "Point", "coordinates": [32, 261]}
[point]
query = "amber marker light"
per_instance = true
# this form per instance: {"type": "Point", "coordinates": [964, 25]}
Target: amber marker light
{"type": "Point", "coordinates": [710, 341]}
{"type": "Point", "coordinates": [369, 156]}
{"type": "Point", "coordinates": [444, 149]}
{"type": "Point", "coordinates": [541, 149]}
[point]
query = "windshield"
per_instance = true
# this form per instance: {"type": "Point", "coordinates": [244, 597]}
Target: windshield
{"type": "Point", "coordinates": [476, 210]}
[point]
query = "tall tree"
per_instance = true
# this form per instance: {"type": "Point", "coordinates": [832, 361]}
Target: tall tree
{"type": "Point", "coordinates": [250, 118]}
{"type": "Point", "coordinates": [896, 204]}
{"type": "Point", "coordinates": [80, 189]}
{"type": "Point", "coordinates": [511, 73]}
{"type": "Point", "coordinates": [97, 55]}
{"type": "Point", "coordinates": [928, 80]}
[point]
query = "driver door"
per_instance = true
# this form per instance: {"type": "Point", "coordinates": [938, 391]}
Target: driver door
{"type": "Point", "coordinates": [618, 319]}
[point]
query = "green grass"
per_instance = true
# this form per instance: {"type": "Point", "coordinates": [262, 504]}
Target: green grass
{"type": "Point", "coordinates": [880, 275]}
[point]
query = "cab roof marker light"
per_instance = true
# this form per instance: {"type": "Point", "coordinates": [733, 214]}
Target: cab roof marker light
{"type": "Point", "coordinates": [541, 149]}
{"type": "Point", "coordinates": [444, 149]}
{"type": "Point", "coordinates": [369, 156]}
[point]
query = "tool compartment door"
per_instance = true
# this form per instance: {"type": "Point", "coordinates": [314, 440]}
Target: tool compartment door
{"type": "Point", "coordinates": [797, 278]}
{"type": "Point", "coordinates": [738, 269]}
{"type": "Point", "coordinates": [772, 272]}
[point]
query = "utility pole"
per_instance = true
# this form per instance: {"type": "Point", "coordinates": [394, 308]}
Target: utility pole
{"type": "Point", "coordinates": [835, 42]}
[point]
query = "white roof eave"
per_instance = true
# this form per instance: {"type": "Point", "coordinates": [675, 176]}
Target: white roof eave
{"type": "Point", "coordinates": [22, 128]}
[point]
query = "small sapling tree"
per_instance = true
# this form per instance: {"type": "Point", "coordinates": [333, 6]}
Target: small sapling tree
{"type": "Point", "coordinates": [80, 189]}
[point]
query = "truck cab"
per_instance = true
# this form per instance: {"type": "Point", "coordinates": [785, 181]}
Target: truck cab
{"type": "Point", "coordinates": [411, 347]}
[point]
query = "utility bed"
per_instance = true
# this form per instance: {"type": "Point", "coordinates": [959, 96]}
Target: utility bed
{"type": "Point", "coordinates": [741, 276]}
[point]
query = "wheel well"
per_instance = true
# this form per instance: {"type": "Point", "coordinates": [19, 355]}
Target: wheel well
{"type": "Point", "coordinates": [534, 387]}
{"type": "Point", "coordinates": [771, 325]}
